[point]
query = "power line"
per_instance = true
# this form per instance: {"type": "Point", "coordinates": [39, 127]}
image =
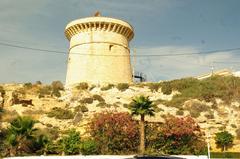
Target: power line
{"type": "Point", "coordinates": [139, 55]}
{"type": "Point", "coordinates": [31, 48]}
{"type": "Point", "coordinates": [226, 62]}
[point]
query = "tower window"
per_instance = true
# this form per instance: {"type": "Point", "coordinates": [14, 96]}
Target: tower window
{"type": "Point", "coordinates": [110, 47]}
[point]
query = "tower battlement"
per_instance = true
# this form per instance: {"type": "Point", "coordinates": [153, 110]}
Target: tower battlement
{"type": "Point", "coordinates": [99, 51]}
{"type": "Point", "coordinates": [99, 24]}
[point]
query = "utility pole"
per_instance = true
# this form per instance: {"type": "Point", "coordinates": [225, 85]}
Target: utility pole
{"type": "Point", "coordinates": [208, 145]}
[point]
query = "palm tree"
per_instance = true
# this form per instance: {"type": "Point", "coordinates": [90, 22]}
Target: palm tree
{"type": "Point", "coordinates": [142, 106]}
{"type": "Point", "coordinates": [20, 135]}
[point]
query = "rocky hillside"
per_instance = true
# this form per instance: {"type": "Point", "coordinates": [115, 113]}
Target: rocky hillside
{"type": "Point", "coordinates": [214, 103]}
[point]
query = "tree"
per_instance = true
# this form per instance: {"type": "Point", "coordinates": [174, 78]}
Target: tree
{"type": "Point", "coordinates": [224, 140]}
{"type": "Point", "coordinates": [142, 106]}
{"type": "Point", "coordinates": [181, 135]}
{"type": "Point", "coordinates": [114, 133]}
{"type": "Point", "coordinates": [20, 135]}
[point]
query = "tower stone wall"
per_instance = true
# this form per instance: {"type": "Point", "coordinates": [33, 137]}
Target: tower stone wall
{"type": "Point", "coordinates": [99, 51]}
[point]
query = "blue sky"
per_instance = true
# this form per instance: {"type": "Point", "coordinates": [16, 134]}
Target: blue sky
{"type": "Point", "coordinates": [161, 27]}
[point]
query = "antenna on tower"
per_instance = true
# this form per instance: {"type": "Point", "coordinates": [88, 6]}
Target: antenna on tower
{"type": "Point", "coordinates": [97, 14]}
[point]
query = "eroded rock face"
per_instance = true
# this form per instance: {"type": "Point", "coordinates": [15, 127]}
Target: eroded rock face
{"type": "Point", "coordinates": [8, 99]}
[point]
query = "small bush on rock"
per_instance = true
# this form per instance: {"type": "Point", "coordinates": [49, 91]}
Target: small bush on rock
{"type": "Point", "coordinates": [84, 109]}
{"type": "Point", "coordinates": [86, 101]}
{"type": "Point", "coordinates": [103, 105]}
{"type": "Point", "coordinates": [107, 87]}
{"type": "Point", "coordinates": [122, 86]}
{"type": "Point", "coordinates": [38, 83]}
{"type": "Point", "coordinates": [180, 112]}
{"type": "Point", "coordinates": [27, 85]}
{"type": "Point", "coordinates": [57, 85]}
{"type": "Point", "coordinates": [2, 91]}
{"type": "Point", "coordinates": [82, 86]}
{"type": "Point", "coordinates": [45, 90]}
{"type": "Point", "coordinates": [60, 113]}
{"type": "Point", "coordinates": [98, 98]}
{"type": "Point", "coordinates": [154, 86]}
{"type": "Point", "coordinates": [166, 88]}
{"type": "Point", "coordinates": [209, 115]}
{"type": "Point", "coordinates": [56, 93]}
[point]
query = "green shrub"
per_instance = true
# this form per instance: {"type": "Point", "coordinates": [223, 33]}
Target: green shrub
{"type": "Point", "coordinates": [2, 91]}
{"type": "Point", "coordinates": [1, 111]}
{"type": "Point", "coordinates": [158, 101]}
{"type": "Point", "coordinates": [98, 98]}
{"type": "Point", "coordinates": [60, 113]}
{"type": "Point", "coordinates": [45, 90]}
{"type": "Point", "coordinates": [126, 105]}
{"type": "Point", "coordinates": [84, 109]}
{"type": "Point", "coordinates": [177, 101]}
{"type": "Point", "coordinates": [166, 88]}
{"type": "Point", "coordinates": [38, 83]}
{"type": "Point", "coordinates": [107, 87]}
{"type": "Point", "coordinates": [222, 128]}
{"type": "Point", "coordinates": [122, 86]}
{"type": "Point", "coordinates": [209, 115]}
{"type": "Point", "coordinates": [194, 114]}
{"type": "Point", "coordinates": [233, 125]}
{"type": "Point", "coordinates": [81, 108]}
{"type": "Point", "coordinates": [56, 93]}
{"type": "Point", "coordinates": [27, 85]}
{"type": "Point", "coordinates": [57, 85]}
{"type": "Point", "coordinates": [103, 105]}
{"type": "Point", "coordinates": [87, 101]}
{"type": "Point", "coordinates": [82, 86]}
{"type": "Point", "coordinates": [157, 109]}
{"type": "Point", "coordinates": [196, 108]}
{"type": "Point", "coordinates": [153, 86]}
{"type": "Point", "coordinates": [70, 144]}
{"type": "Point", "coordinates": [226, 88]}
{"type": "Point", "coordinates": [89, 147]}
{"type": "Point", "coordinates": [180, 112]}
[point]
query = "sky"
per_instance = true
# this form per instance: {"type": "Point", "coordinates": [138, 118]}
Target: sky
{"type": "Point", "coordinates": [162, 27]}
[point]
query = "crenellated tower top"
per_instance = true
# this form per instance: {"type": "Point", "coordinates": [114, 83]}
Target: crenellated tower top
{"type": "Point", "coordinates": [99, 23]}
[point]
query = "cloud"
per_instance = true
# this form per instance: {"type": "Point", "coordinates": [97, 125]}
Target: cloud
{"type": "Point", "coordinates": [41, 24]}
{"type": "Point", "coordinates": [171, 67]}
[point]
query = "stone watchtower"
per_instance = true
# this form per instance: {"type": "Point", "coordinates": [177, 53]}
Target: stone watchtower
{"type": "Point", "coordinates": [99, 51]}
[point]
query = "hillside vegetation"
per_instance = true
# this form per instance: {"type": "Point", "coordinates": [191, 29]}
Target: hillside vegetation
{"type": "Point", "coordinates": [213, 103]}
